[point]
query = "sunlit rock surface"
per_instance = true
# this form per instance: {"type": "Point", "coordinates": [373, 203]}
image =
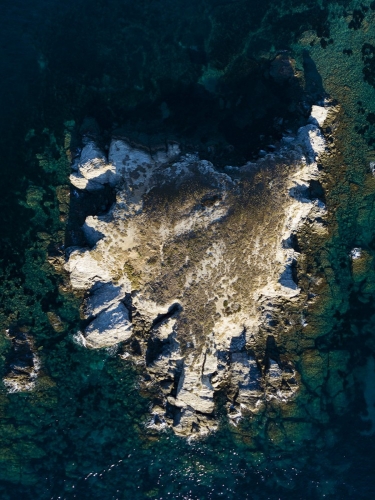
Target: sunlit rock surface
{"type": "Point", "coordinates": [194, 266]}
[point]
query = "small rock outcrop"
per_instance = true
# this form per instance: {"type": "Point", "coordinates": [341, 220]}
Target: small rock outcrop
{"type": "Point", "coordinates": [22, 362]}
{"type": "Point", "coordinates": [191, 269]}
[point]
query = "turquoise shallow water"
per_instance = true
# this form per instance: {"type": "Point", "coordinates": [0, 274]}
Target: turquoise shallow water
{"type": "Point", "coordinates": [157, 70]}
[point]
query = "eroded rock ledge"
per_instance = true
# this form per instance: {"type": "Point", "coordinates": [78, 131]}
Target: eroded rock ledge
{"type": "Point", "coordinates": [192, 267]}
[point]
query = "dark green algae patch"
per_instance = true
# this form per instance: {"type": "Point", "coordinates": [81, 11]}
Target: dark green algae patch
{"type": "Point", "coordinates": [82, 432]}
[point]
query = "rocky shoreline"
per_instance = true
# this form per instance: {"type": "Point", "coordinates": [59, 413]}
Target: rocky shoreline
{"type": "Point", "coordinates": [192, 269]}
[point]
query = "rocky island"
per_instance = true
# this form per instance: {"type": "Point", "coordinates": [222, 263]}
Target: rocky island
{"type": "Point", "coordinates": [191, 314]}
{"type": "Point", "coordinates": [193, 269]}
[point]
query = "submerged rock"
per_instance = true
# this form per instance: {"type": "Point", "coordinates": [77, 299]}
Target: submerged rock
{"type": "Point", "coordinates": [193, 268]}
{"type": "Point", "coordinates": [282, 68]}
{"type": "Point", "coordinates": [23, 364]}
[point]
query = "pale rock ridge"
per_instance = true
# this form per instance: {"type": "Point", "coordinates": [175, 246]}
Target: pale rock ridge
{"type": "Point", "coordinates": [193, 264]}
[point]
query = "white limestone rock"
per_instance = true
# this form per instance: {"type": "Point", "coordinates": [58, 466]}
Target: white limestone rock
{"type": "Point", "coordinates": [93, 229]}
{"type": "Point", "coordinates": [195, 389]}
{"type": "Point", "coordinates": [80, 182]}
{"type": "Point", "coordinates": [318, 115]}
{"type": "Point", "coordinates": [93, 165]}
{"type": "Point", "coordinates": [85, 271]}
{"type": "Point", "coordinates": [274, 370]}
{"type": "Point", "coordinates": [312, 141]}
{"type": "Point", "coordinates": [102, 296]}
{"type": "Point", "coordinates": [110, 327]}
{"type": "Point", "coordinates": [356, 253]}
{"type": "Point", "coordinates": [245, 375]}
